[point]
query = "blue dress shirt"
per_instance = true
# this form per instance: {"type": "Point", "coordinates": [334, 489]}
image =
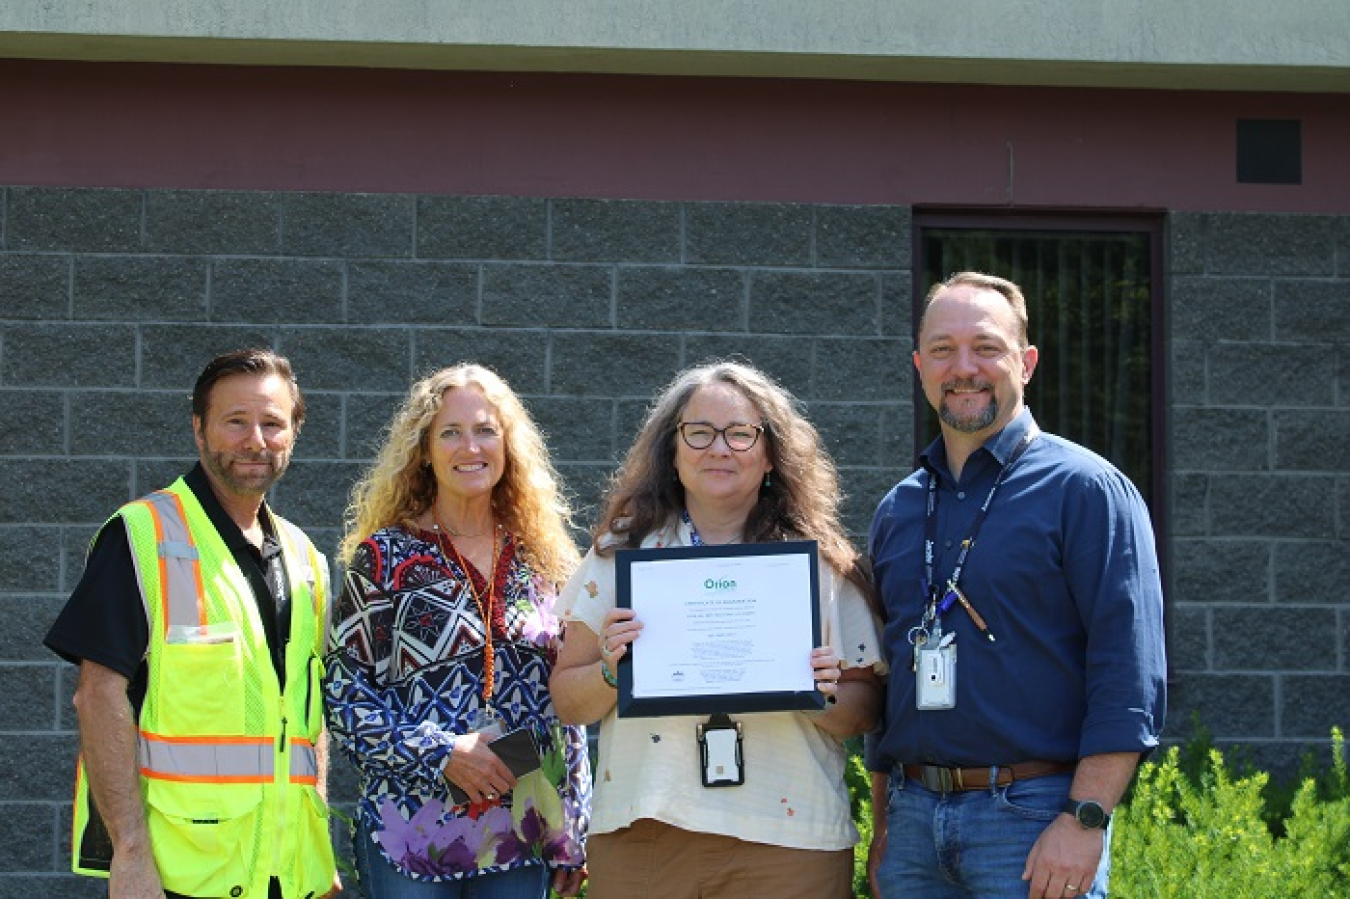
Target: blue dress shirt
{"type": "Point", "coordinates": [1065, 574]}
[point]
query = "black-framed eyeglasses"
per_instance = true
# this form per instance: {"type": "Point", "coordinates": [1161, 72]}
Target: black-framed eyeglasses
{"type": "Point", "coordinates": [700, 435]}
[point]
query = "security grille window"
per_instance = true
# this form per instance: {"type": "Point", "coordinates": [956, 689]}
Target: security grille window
{"type": "Point", "coordinates": [1091, 297]}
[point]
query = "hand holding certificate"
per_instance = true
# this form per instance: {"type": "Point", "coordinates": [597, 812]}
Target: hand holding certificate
{"type": "Point", "coordinates": [725, 628]}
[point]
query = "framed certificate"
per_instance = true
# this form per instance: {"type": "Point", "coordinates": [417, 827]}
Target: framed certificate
{"type": "Point", "coordinates": [725, 628]}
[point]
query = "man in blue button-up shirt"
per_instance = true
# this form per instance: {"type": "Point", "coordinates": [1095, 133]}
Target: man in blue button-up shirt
{"type": "Point", "coordinates": [1031, 560]}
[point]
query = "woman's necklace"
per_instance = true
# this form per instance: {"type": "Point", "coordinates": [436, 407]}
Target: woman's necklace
{"type": "Point", "coordinates": [485, 610]}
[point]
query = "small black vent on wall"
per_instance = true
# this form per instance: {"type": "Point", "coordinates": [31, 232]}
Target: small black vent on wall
{"type": "Point", "coordinates": [1269, 151]}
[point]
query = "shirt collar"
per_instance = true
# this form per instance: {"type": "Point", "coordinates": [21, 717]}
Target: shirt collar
{"type": "Point", "coordinates": [1000, 446]}
{"type": "Point", "coordinates": [200, 486]}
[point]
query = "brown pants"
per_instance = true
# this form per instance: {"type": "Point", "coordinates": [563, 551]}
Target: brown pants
{"type": "Point", "coordinates": [651, 860]}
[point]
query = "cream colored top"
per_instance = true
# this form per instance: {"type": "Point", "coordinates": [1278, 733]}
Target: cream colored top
{"type": "Point", "coordinates": [794, 793]}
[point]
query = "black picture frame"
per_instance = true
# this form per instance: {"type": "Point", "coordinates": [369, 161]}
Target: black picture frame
{"type": "Point", "coordinates": [699, 703]}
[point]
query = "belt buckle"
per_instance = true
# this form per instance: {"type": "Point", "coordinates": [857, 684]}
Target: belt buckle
{"type": "Point", "coordinates": [937, 779]}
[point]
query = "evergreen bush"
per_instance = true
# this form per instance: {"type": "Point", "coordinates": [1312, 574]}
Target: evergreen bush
{"type": "Point", "coordinates": [1192, 826]}
{"type": "Point", "coordinates": [1208, 833]}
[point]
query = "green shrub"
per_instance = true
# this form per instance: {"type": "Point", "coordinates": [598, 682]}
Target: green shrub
{"type": "Point", "coordinates": [1196, 826]}
{"type": "Point", "coordinates": [1198, 831]}
{"type": "Point", "coordinates": [860, 796]}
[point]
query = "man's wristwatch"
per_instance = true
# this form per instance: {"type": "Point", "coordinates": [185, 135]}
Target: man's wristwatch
{"type": "Point", "coordinates": [1088, 813]}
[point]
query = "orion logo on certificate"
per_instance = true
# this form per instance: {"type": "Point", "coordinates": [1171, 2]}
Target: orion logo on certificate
{"type": "Point", "coordinates": [726, 628]}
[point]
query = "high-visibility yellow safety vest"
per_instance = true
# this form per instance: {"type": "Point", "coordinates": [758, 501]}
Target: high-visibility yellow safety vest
{"type": "Point", "coordinates": [227, 757]}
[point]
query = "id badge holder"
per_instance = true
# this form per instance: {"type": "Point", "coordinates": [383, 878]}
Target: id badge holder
{"type": "Point", "coordinates": [935, 676]}
{"type": "Point", "coordinates": [719, 741]}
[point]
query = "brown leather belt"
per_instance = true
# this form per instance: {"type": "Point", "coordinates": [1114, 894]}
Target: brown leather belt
{"type": "Point", "coordinates": [960, 780]}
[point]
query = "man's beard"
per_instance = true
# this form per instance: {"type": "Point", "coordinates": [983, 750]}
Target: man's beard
{"type": "Point", "coordinates": [219, 466]}
{"type": "Point", "coordinates": [975, 421]}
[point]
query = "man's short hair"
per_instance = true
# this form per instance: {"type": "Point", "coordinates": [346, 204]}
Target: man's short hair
{"type": "Point", "coordinates": [1010, 291]}
{"type": "Point", "coordinates": [252, 361]}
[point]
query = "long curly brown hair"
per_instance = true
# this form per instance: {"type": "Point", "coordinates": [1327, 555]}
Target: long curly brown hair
{"type": "Point", "coordinates": [800, 503]}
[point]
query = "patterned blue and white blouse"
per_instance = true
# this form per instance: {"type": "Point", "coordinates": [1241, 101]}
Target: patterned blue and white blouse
{"type": "Point", "coordinates": [404, 676]}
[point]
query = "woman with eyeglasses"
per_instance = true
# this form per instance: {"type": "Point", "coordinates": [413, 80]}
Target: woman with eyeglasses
{"type": "Point", "coordinates": [724, 456]}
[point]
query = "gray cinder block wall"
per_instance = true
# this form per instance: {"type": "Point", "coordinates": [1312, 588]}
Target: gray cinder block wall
{"type": "Point", "coordinates": [112, 300]}
{"type": "Point", "coordinates": [1259, 311]}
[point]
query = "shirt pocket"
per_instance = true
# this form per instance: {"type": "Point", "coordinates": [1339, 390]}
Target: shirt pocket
{"type": "Point", "coordinates": [201, 688]}
{"type": "Point", "coordinates": [313, 849]}
{"type": "Point", "coordinates": [204, 834]}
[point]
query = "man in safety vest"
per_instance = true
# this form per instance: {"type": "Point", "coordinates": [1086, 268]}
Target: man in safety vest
{"type": "Point", "coordinates": [198, 626]}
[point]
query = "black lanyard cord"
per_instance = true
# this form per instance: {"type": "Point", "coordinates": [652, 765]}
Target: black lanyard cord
{"type": "Point", "coordinates": [930, 531]}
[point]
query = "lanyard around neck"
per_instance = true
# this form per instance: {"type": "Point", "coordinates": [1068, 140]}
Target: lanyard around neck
{"type": "Point", "coordinates": [695, 538]}
{"type": "Point", "coordinates": [930, 527]}
{"type": "Point", "coordinates": [486, 611]}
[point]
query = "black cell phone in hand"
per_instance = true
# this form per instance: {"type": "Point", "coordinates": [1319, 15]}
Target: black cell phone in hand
{"type": "Point", "coordinates": [516, 749]}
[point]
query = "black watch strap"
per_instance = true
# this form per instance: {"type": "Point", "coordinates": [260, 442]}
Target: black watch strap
{"type": "Point", "coordinates": [1088, 813]}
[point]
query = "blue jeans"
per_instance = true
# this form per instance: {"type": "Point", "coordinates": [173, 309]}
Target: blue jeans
{"type": "Point", "coordinates": [959, 845]}
{"type": "Point", "coordinates": [381, 880]}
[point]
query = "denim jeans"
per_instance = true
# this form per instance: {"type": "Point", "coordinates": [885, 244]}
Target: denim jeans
{"type": "Point", "coordinates": [959, 845]}
{"type": "Point", "coordinates": [381, 880]}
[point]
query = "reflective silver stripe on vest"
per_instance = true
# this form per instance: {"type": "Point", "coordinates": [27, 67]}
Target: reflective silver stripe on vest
{"type": "Point", "coordinates": [182, 570]}
{"type": "Point", "coordinates": [304, 562]}
{"type": "Point", "coordinates": [304, 762]}
{"type": "Point", "coordinates": [206, 761]}
{"type": "Point", "coordinates": [200, 760]}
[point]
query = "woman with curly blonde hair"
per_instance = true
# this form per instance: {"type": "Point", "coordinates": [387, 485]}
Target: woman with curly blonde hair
{"type": "Point", "coordinates": [456, 540]}
{"type": "Point", "coordinates": [725, 456]}
{"type": "Point", "coordinates": [400, 487]}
